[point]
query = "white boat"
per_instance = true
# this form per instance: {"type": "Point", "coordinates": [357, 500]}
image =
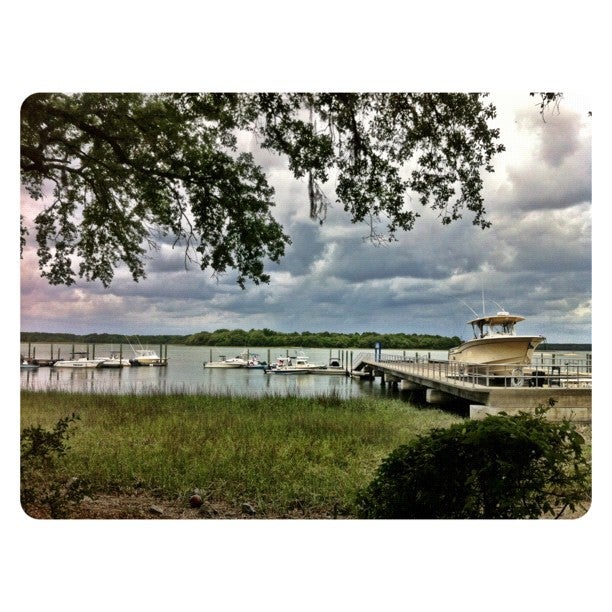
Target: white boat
{"type": "Point", "coordinates": [26, 365]}
{"type": "Point", "coordinates": [298, 364]}
{"type": "Point", "coordinates": [79, 362]}
{"type": "Point", "coordinates": [146, 357]}
{"type": "Point", "coordinates": [496, 344]}
{"type": "Point", "coordinates": [115, 361]}
{"type": "Point", "coordinates": [223, 362]}
{"type": "Point", "coordinates": [254, 363]}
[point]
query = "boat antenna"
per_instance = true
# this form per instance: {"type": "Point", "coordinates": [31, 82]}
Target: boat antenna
{"type": "Point", "coordinates": [483, 306]}
{"type": "Point", "coordinates": [468, 306]}
{"type": "Point", "coordinates": [500, 307]}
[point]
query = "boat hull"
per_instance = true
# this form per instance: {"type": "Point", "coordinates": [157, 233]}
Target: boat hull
{"type": "Point", "coordinates": [79, 363]}
{"type": "Point", "coordinates": [116, 363]}
{"type": "Point", "coordinates": [505, 352]}
{"type": "Point", "coordinates": [289, 370]}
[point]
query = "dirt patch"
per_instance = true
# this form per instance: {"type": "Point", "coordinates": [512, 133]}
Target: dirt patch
{"type": "Point", "coordinates": [145, 506]}
{"type": "Point", "coordinates": [141, 505]}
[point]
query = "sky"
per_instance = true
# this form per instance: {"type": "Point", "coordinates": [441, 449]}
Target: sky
{"type": "Point", "coordinates": [535, 260]}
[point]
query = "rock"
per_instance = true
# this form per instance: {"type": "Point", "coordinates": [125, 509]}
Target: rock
{"type": "Point", "coordinates": [195, 501]}
{"type": "Point", "coordinates": [156, 510]}
{"type": "Point", "coordinates": [248, 509]}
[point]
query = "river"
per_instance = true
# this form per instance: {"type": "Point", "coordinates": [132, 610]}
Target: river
{"type": "Point", "coordinates": [185, 372]}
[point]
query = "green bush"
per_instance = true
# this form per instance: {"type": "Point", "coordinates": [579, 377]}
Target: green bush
{"type": "Point", "coordinates": [503, 467]}
{"type": "Point", "coordinates": [44, 492]}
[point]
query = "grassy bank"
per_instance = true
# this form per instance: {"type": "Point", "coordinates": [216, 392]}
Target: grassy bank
{"type": "Point", "coordinates": [274, 453]}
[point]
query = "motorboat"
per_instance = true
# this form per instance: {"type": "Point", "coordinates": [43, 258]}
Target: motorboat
{"type": "Point", "coordinates": [254, 363]}
{"type": "Point", "coordinates": [26, 365]}
{"type": "Point", "coordinates": [298, 364]}
{"type": "Point", "coordinates": [224, 362]}
{"type": "Point", "coordinates": [115, 360]}
{"type": "Point", "coordinates": [146, 357]}
{"type": "Point", "coordinates": [496, 344]}
{"type": "Point", "coordinates": [79, 362]}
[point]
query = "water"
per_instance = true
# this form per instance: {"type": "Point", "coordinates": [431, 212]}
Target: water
{"type": "Point", "coordinates": [185, 373]}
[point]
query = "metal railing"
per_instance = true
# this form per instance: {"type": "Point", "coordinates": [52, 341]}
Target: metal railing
{"type": "Point", "coordinates": [574, 373]}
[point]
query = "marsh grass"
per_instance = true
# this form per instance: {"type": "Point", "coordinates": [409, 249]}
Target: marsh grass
{"type": "Point", "coordinates": [274, 452]}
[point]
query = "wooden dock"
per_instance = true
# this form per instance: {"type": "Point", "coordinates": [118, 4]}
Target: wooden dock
{"type": "Point", "coordinates": [446, 382]}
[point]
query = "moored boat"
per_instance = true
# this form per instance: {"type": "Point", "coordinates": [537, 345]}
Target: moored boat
{"type": "Point", "coordinates": [79, 362]}
{"type": "Point", "coordinates": [496, 344]}
{"type": "Point", "coordinates": [298, 364]}
{"type": "Point", "coordinates": [147, 357]}
{"type": "Point", "coordinates": [26, 365]}
{"type": "Point", "coordinates": [254, 363]}
{"type": "Point", "coordinates": [225, 362]}
{"type": "Point", "coordinates": [115, 360]}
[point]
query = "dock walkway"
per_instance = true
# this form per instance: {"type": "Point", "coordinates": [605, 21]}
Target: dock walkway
{"type": "Point", "coordinates": [527, 388]}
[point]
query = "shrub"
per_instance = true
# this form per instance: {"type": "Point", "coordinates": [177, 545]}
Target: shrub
{"type": "Point", "coordinates": [505, 467]}
{"type": "Point", "coordinates": [43, 490]}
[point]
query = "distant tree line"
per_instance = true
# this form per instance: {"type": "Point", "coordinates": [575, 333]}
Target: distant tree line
{"type": "Point", "coordinates": [262, 337]}
{"type": "Point", "coordinates": [101, 338]}
{"type": "Point", "coordinates": [268, 337]}
{"type": "Point", "coordinates": [547, 346]}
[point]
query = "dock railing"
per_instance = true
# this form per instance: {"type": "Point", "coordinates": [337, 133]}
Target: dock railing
{"type": "Point", "coordinates": [568, 373]}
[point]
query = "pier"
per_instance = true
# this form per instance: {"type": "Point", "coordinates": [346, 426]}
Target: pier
{"type": "Point", "coordinates": [118, 357]}
{"type": "Point", "coordinates": [524, 389]}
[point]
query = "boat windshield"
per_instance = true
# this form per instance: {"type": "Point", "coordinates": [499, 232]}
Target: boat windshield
{"type": "Point", "coordinates": [483, 329]}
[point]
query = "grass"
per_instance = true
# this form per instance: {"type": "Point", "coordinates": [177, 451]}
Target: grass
{"type": "Point", "coordinates": [276, 453]}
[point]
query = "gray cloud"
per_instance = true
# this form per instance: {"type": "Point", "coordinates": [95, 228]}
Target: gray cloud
{"type": "Point", "coordinates": [534, 260]}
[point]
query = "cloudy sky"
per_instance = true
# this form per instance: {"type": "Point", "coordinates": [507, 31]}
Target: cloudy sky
{"type": "Point", "coordinates": [535, 260]}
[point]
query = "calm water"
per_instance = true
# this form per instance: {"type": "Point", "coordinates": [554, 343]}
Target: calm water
{"type": "Point", "coordinates": [185, 372]}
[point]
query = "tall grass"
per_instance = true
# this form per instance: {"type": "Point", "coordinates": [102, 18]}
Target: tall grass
{"type": "Point", "coordinates": [274, 452]}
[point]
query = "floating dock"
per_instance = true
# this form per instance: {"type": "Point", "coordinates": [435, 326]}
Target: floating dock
{"type": "Point", "coordinates": [526, 389]}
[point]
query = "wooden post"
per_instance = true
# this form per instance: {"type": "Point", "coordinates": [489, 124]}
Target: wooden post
{"type": "Point", "coordinates": [121, 354]}
{"type": "Point", "coordinates": [52, 352]}
{"type": "Point", "coordinates": [29, 349]}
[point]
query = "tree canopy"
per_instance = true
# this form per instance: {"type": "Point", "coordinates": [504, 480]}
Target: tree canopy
{"type": "Point", "coordinates": [118, 172]}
